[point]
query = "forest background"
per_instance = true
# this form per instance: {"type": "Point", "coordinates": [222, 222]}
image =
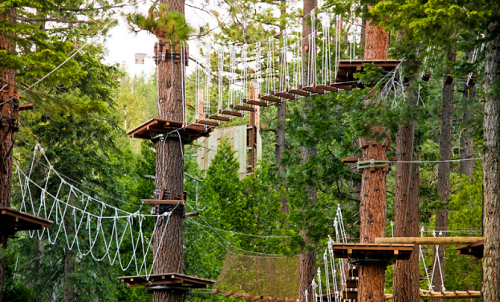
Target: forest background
{"type": "Point", "coordinates": [84, 109]}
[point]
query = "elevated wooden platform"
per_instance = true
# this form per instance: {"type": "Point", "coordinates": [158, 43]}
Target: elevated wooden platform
{"type": "Point", "coordinates": [476, 250]}
{"type": "Point", "coordinates": [172, 280]}
{"type": "Point", "coordinates": [155, 126]}
{"type": "Point", "coordinates": [469, 294]}
{"type": "Point", "coordinates": [358, 253]}
{"type": "Point", "coordinates": [430, 240]}
{"type": "Point", "coordinates": [347, 68]}
{"type": "Point", "coordinates": [12, 221]}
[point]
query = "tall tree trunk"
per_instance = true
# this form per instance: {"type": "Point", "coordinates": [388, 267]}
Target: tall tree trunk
{"type": "Point", "coordinates": [406, 212]}
{"type": "Point", "coordinates": [169, 168]}
{"type": "Point", "coordinates": [281, 126]}
{"type": "Point", "coordinates": [5, 144]}
{"type": "Point", "coordinates": [373, 208]}
{"type": "Point", "coordinates": [69, 269]}
{"type": "Point", "coordinates": [307, 261]}
{"type": "Point", "coordinates": [466, 140]}
{"type": "Point", "coordinates": [443, 186]}
{"type": "Point", "coordinates": [491, 169]}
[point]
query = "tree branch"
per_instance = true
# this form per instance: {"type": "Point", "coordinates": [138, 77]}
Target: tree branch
{"type": "Point", "coordinates": [53, 20]}
{"type": "Point", "coordinates": [337, 181]}
{"type": "Point", "coordinates": [90, 8]}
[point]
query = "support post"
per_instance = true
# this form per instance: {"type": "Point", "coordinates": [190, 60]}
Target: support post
{"type": "Point", "coordinates": [373, 185]}
{"type": "Point", "coordinates": [6, 135]}
{"type": "Point", "coordinates": [169, 168]}
{"type": "Point", "coordinates": [252, 133]}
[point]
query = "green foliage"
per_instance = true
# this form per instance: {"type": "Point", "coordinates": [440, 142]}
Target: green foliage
{"type": "Point", "coordinates": [163, 23]}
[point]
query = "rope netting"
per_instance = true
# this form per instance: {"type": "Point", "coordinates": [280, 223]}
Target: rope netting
{"type": "Point", "coordinates": [277, 277]}
{"type": "Point", "coordinates": [259, 276]}
{"type": "Point", "coordinates": [84, 223]}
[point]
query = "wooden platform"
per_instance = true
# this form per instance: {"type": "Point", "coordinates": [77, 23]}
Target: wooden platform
{"type": "Point", "coordinates": [357, 253]}
{"type": "Point", "coordinates": [156, 126]}
{"type": "Point", "coordinates": [469, 294]}
{"type": "Point", "coordinates": [12, 220]}
{"type": "Point", "coordinates": [168, 280]}
{"type": "Point", "coordinates": [430, 240]}
{"type": "Point", "coordinates": [476, 250]}
{"type": "Point", "coordinates": [347, 68]}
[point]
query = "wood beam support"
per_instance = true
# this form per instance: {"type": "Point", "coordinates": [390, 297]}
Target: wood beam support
{"type": "Point", "coordinates": [430, 240]}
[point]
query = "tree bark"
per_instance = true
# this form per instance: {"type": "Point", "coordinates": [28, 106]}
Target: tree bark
{"type": "Point", "coordinates": [69, 268]}
{"type": "Point", "coordinates": [307, 261]}
{"type": "Point", "coordinates": [441, 223]}
{"type": "Point", "coordinates": [373, 221]}
{"type": "Point", "coordinates": [466, 140]}
{"type": "Point", "coordinates": [169, 169]}
{"type": "Point", "coordinates": [406, 212]}
{"type": "Point", "coordinates": [373, 207]}
{"type": "Point", "coordinates": [281, 125]}
{"type": "Point", "coordinates": [491, 169]}
{"type": "Point", "coordinates": [443, 186]}
{"type": "Point", "coordinates": [5, 144]}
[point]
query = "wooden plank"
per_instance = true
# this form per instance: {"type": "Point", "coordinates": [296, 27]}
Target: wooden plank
{"type": "Point", "coordinates": [328, 88]}
{"type": "Point", "coordinates": [240, 295]}
{"type": "Point", "coordinates": [229, 112]}
{"type": "Point", "coordinates": [210, 123]}
{"type": "Point", "coordinates": [299, 92]}
{"type": "Point", "coordinates": [215, 291]}
{"type": "Point", "coordinates": [191, 214]}
{"type": "Point", "coordinates": [228, 294]}
{"type": "Point", "coordinates": [351, 283]}
{"type": "Point", "coordinates": [247, 297]}
{"type": "Point", "coordinates": [270, 99]}
{"type": "Point", "coordinates": [218, 117]}
{"type": "Point", "coordinates": [26, 107]}
{"type": "Point", "coordinates": [342, 86]}
{"type": "Point", "coordinates": [245, 108]}
{"type": "Point", "coordinates": [284, 95]}
{"type": "Point", "coordinates": [26, 217]}
{"type": "Point", "coordinates": [312, 89]}
{"type": "Point", "coordinates": [430, 240]}
{"type": "Point", "coordinates": [350, 160]}
{"type": "Point", "coordinates": [257, 298]}
{"type": "Point", "coordinates": [157, 201]}
{"type": "Point", "coordinates": [255, 102]}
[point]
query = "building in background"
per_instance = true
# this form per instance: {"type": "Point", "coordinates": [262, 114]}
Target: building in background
{"type": "Point", "coordinates": [244, 139]}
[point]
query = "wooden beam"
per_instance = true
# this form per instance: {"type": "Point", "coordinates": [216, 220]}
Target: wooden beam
{"type": "Point", "coordinates": [157, 201]}
{"type": "Point", "coordinates": [429, 240]}
{"type": "Point", "coordinates": [191, 214]}
{"type": "Point", "coordinates": [214, 292]}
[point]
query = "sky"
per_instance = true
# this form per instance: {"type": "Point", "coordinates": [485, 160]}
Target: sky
{"type": "Point", "coordinates": [122, 44]}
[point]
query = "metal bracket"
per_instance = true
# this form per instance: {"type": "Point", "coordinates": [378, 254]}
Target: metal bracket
{"type": "Point", "coordinates": [171, 135]}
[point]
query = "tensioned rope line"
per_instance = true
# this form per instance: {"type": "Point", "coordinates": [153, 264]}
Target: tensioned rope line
{"type": "Point", "coordinates": [60, 65]}
{"type": "Point", "coordinates": [86, 224]}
